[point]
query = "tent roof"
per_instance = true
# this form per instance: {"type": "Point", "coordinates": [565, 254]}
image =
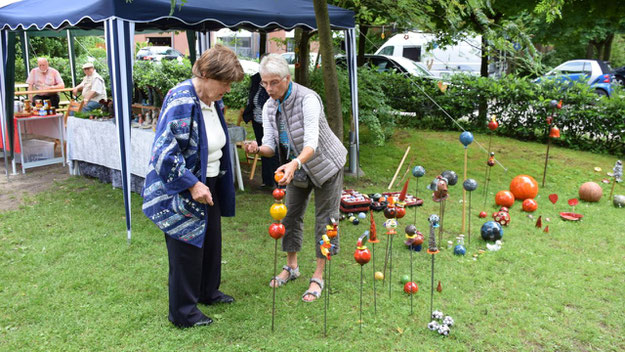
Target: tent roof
{"type": "Point", "coordinates": [199, 15]}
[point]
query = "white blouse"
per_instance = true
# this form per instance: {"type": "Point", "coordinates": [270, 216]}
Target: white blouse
{"type": "Point", "coordinates": [215, 137]}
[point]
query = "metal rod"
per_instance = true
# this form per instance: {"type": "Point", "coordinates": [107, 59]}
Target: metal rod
{"type": "Point", "coordinates": [390, 266]}
{"type": "Point", "coordinates": [375, 300]}
{"type": "Point", "coordinates": [432, 287]}
{"type": "Point", "coordinates": [411, 250]}
{"type": "Point", "coordinates": [361, 275]}
{"type": "Point", "coordinates": [326, 302]}
{"type": "Point", "coordinates": [464, 191]}
{"type": "Point", "coordinates": [470, 217]}
{"type": "Point", "coordinates": [546, 160]}
{"type": "Point", "coordinates": [388, 243]}
{"type": "Point", "coordinates": [416, 191]}
{"type": "Point", "coordinates": [275, 269]}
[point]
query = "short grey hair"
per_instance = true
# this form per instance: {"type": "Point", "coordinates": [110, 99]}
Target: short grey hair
{"type": "Point", "coordinates": [274, 64]}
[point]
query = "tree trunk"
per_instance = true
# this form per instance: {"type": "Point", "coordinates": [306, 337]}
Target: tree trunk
{"type": "Point", "coordinates": [302, 66]}
{"type": "Point", "coordinates": [484, 63]}
{"type": "Point", "coordinates": [330, 78]}
{"type": "Point", "coordinates": [589, 49]}
{"type": "Point", "coordinates": [607, 49]}
{"type": "Point", "coordinates": [362, 40]}
{"type": "Point", "coordinates": [263, 44]}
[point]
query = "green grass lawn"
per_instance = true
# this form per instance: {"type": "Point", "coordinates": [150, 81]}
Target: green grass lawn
{"type": "Point", "coordinates": [69, 281]}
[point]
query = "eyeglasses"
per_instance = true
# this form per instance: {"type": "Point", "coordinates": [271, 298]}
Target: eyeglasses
{"type": "Point", "coordinates": [272, 84]}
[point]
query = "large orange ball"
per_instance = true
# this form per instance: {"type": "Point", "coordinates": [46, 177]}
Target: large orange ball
{"type": "Point", "coordinates": [530, 205]}
{"type": "Point", "coordinates": [524, 187]}
{"type": "Point", "coordinates": [590, 192]}
{"type": "Point", "coordinates": [504, 198]}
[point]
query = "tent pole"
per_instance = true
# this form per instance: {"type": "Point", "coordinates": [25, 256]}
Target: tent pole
{"type": "Point", "coordinates": [3, 42]}
{"type": "Point", "coordinates": [25, 42]}
{"type": "Point", "coordinates": [72, 56]}
{"type": "Point", "coordinates": [119, 39]}
{"type": "Point", "coordinates": [354, 143]}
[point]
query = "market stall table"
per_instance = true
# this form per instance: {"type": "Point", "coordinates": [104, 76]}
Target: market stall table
{"type": "Point", "coordinates": [48, 126]}
{"type": "Point", "coordinates": [96, 143]}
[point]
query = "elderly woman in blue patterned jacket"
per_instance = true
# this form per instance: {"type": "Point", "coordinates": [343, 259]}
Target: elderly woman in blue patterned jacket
{"type": "Point", "coordinates": [312, 158]}
{"type": "Point", "coordinates": [190, 185]}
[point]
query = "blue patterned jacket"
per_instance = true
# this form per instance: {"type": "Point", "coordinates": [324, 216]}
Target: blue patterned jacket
{"type": "Point", "coordinates": [179, 158]}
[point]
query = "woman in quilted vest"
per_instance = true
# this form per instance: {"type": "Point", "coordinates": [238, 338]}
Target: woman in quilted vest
{"type": "Point", "coordinates": [312, 160]}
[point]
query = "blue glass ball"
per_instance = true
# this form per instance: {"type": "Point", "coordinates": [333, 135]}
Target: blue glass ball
{"type": "Point", "coordinates": [491, 231]}
{"type": "Point", "coordinates": [469, 185]}
{"type": "Point", "coordinates": [451, 177]}
{"type": "Point", "coordinates": [466, 138]}
{"type": "Point", "coordinates": [418, 171]}
{"type": "Point", "coordinates": [460, 250]}
{"type": "Point", "coordinates": [362, 215]}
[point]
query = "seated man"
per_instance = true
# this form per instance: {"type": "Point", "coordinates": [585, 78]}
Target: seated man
{"type": "Point", "coordinates": [92, 87]}
{"type": "Point", "coordinates": [45, 77]}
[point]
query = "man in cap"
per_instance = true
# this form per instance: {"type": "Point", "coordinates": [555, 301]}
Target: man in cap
{"type": "Point", "coordinates": [92, 87]}
{"type": "Point", "coordinates": [44, 77]}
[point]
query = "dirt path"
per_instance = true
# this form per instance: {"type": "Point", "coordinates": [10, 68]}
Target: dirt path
{"type": "Point", "coordinates": [13, 190]}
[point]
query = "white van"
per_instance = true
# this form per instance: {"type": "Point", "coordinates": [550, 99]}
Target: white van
{"type": "Point", "coordinates": [462, 57]}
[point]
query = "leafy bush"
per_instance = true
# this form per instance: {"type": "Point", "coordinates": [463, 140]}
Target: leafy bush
{"type": "Point", "coordinates": [153, 80]}
{"type": "Point", "coordinates": [239, 91]}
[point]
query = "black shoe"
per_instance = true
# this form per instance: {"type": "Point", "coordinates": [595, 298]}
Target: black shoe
{"type": "Point", "coordinates": [220, 298]}
{"type": "Point", "coordinates": [203, 322]}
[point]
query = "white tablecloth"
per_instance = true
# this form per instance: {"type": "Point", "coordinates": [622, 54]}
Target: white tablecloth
{"type": "Point", "coordinates": [95, 142]}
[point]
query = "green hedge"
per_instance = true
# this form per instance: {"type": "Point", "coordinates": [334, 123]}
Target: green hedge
{"type": "Point", "coordinates": [586, 121]}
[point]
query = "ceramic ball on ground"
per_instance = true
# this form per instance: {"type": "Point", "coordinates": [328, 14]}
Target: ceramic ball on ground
{"type": "Point", "coordinates": [433, 325]}
{"type": "Point", "coordinates": [443, 330]}
{"type": "Point", "coordinates": [405, 279]}
{"type": "Point", "coordinates": [411, 288]}
{"type": "Point", "coordinates": [437, 314]}
{"type": "Point", "coordinates": [356, 221]}
{"type": "Point", "coordinates": [502, 217]}
{"type": "Point", "coordinates": [619, 200]}
{"type": "Point", "coordinates": [451, 177]}
{"type": "Point", "coordinates": [449, 321]}
{"type": "Point", "coordinates": [504, 198]}
{"type": "Point", "coordinates": [362, 215]}
{"type": "Point", "coordinates": [491, 231]}
{"type": "Point", "coordinates": [530, 205]}
{"type": "Point", "coordinates": [379, 276]}
{"type": "Point", "coordinates": [524, 187]}
{"type": "Point", "coordinates": [590, 192]}
{"type": "Point", "coordinates": [460, 250]}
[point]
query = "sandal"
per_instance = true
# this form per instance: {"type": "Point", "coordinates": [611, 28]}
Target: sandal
{"type": "Point", "coordinates": [293, 274]}
{"type": "Point", "coordinates": [315, 293]}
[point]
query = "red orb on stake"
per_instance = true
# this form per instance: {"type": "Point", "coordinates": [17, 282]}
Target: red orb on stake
{"type": "Point", "coordinates": [482, 214]}
{"type": "Point", "coordinates": [276, 231]}
{"type": "Point", "coordinates": [493, 124]}
{"type": "Point", "coordinates": [400, 212]}
{"type": "Point", "coordinates": [278, 193]}
{"type": "Point", "coordinates": [530, 205]}
{"type": "Point", "coordinates": [504, 198]}
{"type": "Point", "coordinates": [411, 288]}
{"type": "Point", "coordinates": [524, 187]}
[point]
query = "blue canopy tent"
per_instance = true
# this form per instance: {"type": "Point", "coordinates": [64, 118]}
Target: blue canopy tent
{"type": "Point", "coordinates": [120, 19]}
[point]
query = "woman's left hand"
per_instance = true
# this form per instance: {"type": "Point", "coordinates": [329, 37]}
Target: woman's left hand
{"type": "Point", "coordinates": [288, 169]}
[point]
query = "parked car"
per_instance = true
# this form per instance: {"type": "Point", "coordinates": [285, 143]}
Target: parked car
{"type": "Point", "coordinates": [619, 76]}
{"type": "Point", "coordinates": [158, 53]}
{"type": "Point", "coordinates": [384, 63]}
{"type": "Point", "coordinates": [597, 74]}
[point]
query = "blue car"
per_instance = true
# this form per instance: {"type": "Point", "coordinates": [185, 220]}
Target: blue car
{"type": "Point", "coordinates": [595, 73]}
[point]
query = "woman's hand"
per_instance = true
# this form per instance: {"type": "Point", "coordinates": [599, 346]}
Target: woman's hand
{"type": "Point", "coordinates": [288, 169]}
{"type": "Point", "coordinates": [201, 194]}
{"type": "Point", "coordinates": [251, 147]}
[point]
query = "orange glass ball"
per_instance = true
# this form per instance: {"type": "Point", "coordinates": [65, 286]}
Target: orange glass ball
{"type": "Point", "coordinates": [504, 198]}
{"type": "Point", "coordinates": [278, 176]}
{"type": "Point", "coordinates": [277, 211]}
{"type": "Point", "coordinates": [524, 187]}
{"type": "Point", "coordinates": [530, 205]}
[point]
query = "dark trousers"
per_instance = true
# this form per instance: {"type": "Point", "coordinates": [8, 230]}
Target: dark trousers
{"type": "Point", "coordinates": [269, 165]}
{"type": "Point", "coordinates": [195, 273]}
{"type": "Point", "coordinates": [54, 99]}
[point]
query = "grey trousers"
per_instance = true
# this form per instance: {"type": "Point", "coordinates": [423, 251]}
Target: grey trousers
{"type": "Point", "coordinates": [327, 201]}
